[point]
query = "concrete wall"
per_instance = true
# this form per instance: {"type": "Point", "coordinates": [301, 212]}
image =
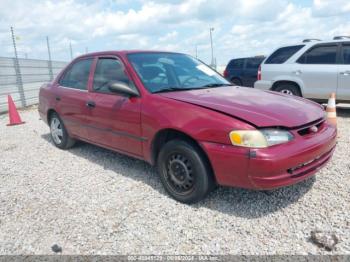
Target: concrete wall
{"type": "Point", "coordinates": [23, 84]}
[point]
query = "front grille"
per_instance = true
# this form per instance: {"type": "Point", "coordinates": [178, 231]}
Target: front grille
{"type": "Point", "coordinates": [310, 129]}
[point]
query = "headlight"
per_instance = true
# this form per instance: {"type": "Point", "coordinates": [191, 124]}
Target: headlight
{"type": "Point", "coordinates": [259, 138]}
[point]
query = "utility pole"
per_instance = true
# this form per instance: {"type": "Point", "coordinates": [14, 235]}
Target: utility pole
{"type": "Point", "coordinates": [71, 51]}
{"type": "Point", "coordinates": [211, 45]}
{"type": "Point", "coordinates": [50, 61]}
{"type": "Point", "coordinates": [18, 71]}
{"type": "Point", "coordinates": [196, 51]}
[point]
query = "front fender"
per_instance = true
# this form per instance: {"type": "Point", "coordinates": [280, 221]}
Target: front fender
{"type": "Point", "coordinates": [199, 123]}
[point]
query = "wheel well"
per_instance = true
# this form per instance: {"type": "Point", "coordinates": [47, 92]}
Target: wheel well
{"type": "Point", "coordinates": [278, 83]}
{"type": "Point", "coordinates": [237, 78]}
{"type": "Point", "coordinates": [49, 114]}
{"type": "Point", "coordinates": [165, 135]}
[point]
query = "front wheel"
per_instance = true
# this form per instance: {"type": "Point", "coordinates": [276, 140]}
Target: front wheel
{"type": "Point", "coordinates": [184, 171]}
{"type": "Point", "coordinates": [59, 134]}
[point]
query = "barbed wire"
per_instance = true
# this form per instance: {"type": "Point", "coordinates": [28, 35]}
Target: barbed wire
{"type": "Point", "coordinates": [36, 48]}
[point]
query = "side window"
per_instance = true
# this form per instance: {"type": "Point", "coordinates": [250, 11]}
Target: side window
{"type": "Point", "coordinates": [236, 63]}
{"type": "Point", "coordinates": [253, 63]}
{"type": "Point", "coordinates": [346, 54]}
{"type": "Point", "coordinates": [283, 54]}
{"type": "Point", "coordinates": [109, 70]}
{"type": "Point", "coordinates": [77, 75]}
{"type": "Point", "coordinates": [320, 55]}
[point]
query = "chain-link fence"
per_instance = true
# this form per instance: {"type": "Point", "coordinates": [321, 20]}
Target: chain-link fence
{"type": "Point", "coordinates": [22, 78]}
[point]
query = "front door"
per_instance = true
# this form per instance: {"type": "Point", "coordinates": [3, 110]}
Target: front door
{"type": "Point", "coordinates": [115, 118]}
{"type": "Point", "coordinates": [318, 71]}
{"type": "Point", "coordinates": [343, 90]}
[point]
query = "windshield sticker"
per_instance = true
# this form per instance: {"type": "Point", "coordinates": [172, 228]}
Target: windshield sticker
{"type": "Point", "coordinates": [206, 70]}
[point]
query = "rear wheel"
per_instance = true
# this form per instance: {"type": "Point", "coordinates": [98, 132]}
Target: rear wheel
{"type": "Point", "coordinates": [59, 134]}
{"type": "Point", "coordinates": [288, 89]}
{"type": "Point", "coordinates": [236, 81]}
{"type": "Point", "coordinates": [184, 171]}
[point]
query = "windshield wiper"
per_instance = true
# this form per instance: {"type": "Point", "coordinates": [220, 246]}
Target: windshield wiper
{"type": "Point", "coordinates": [170, 89]}
{"type": "Point", "coordinates": [215, 85]}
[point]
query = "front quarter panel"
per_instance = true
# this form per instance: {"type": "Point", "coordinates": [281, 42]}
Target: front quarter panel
{"type": "Point", "coordinates": [209, 128]}
{"type": "Point", "coordinates": [198, 122]}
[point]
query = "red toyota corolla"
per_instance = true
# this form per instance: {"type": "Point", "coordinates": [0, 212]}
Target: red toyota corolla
{"type": "Point", "coordinates": [174, 112]}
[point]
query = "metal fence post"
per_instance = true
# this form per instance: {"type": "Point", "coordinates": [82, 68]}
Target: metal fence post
{"type": "Point", "coordinates": [71, 50]}
{"type": "Point", "coordinates": [50, 61]}
{"type": "Point", "coordinates": [18, 72]}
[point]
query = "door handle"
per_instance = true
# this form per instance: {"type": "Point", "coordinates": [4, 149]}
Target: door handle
{"type": "Point", "coordinates": [297, 72]}
{"type": "Point", "coordinates": [58, 98]}
{"type": "Point", "coordinates": [345, 73]}
{"type": "Point", "coordinates": [90, 104]}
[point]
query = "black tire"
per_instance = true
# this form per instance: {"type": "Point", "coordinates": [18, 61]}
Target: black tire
{"type": "Point", "coordinates": [289, 89]}
{"type": "Point", "coordinates": [184, 171]}
{"type": "Point", "coordinates": [65, 141]}
{"type": "Point", "coordinates": [236, 81]}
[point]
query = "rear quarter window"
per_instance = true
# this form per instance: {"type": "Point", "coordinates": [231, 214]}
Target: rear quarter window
{"type": "Point", "coordinates": [282, 54]}
{"type": "Point", "coordinates": [253, 63]}
{"type": "Point", "coordinates": [236, 64]}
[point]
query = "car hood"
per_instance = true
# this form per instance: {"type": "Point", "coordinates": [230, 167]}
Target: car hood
{"type": "Point", "coordinates": [260, 108]}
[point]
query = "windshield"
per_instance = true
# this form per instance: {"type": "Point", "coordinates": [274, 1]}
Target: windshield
{"type": "Point", "coordinates": [162, 72]}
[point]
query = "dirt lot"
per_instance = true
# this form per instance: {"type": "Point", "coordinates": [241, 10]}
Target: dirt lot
{"type": "Point", "coordinates": [89, 200]}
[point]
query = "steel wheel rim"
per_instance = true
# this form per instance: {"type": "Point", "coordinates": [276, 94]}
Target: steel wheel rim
{"type": "Point", "coordinates": [179, 174]}
{"type": "Point", "coordinates": [56, 130]}
{"type": "Point", "coordinates": [287, 92]}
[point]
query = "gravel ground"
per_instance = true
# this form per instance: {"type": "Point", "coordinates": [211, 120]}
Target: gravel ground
{"type": "Point", "coordinates": [89, 200]}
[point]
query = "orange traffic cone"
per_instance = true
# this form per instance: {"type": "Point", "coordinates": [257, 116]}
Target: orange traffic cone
{"type": "Point", "coordinates": [331, 110]}
{"type": "Point", "coordinates": [14, 117]}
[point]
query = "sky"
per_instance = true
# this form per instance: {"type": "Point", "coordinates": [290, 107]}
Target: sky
{"type": "Point", "coordinates": [241, 27]}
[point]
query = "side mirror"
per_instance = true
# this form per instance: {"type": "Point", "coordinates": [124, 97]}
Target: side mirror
{"type": "Point", "coordinates": [122, 88]}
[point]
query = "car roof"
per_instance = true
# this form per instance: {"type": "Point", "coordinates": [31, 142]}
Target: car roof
{"type": "Point", "coordinates": [250, 57]}
{"type": "Point", "coordinates": [315, 42]}
{"type": "Point", "coordinates": [306, 46]}
{"type": "Point", "coordinates": [123, 52]}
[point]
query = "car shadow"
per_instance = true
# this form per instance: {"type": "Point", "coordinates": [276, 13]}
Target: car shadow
{"type": "Point", "coordinates": [232, 201]}
{"type": "Point", "coordinates": [343, 112]}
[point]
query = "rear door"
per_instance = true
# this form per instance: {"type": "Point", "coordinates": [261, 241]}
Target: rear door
{"type": "Point", "coordinates": [235, 69]}
{"type": "Point", "coordinates": [251, 71]}
{"type": "Point", "coordinates": [318, 70]}
{"type": "Point", "coordinates": [71, 96]}
{"type": "Point", "coordinates": [343, 90]}
{"type": "Point", "coordinates": [115, 118]}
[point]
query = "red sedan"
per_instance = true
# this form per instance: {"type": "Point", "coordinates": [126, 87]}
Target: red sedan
{"type": "Point", "coordinates": [175, 112]}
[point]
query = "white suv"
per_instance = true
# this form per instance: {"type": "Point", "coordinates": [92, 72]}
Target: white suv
{"type": "Point", "coordinates": [313, 69]}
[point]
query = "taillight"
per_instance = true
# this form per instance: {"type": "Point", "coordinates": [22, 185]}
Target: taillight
{"type": "Point", "coordinates": [259, 73]}
{"type": "Point", "coordinates": [225, 73]}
